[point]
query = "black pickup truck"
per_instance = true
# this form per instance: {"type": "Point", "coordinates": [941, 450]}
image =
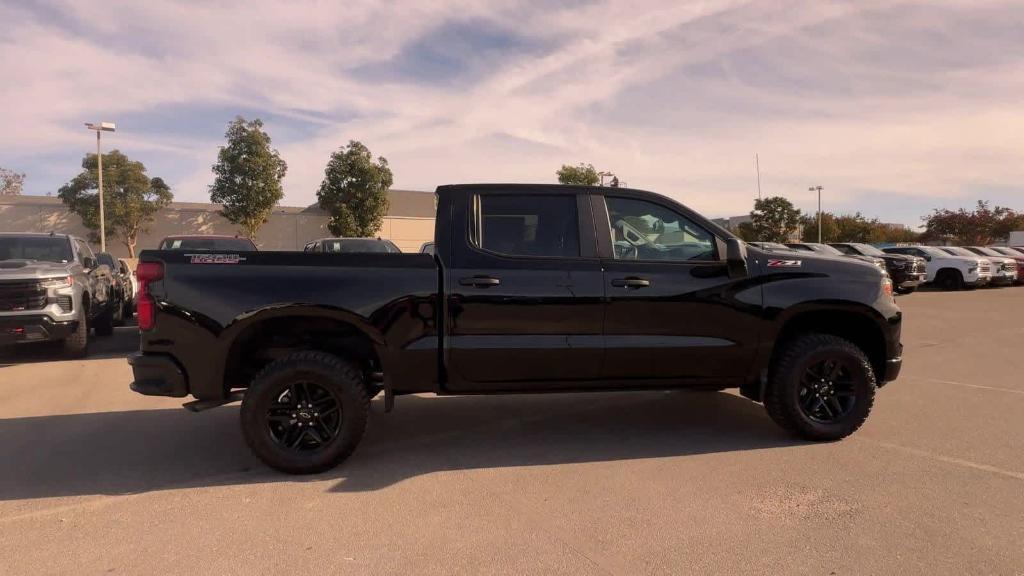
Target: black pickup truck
{"type": "Point", "coordinates": [533, 288]}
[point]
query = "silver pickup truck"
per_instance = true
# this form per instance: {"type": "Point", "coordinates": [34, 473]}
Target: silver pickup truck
{"type": "Point", "coordinates": [52, 289]}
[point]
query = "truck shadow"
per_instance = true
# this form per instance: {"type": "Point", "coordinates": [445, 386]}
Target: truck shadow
{"type": "Point", "coordinates": [151, 450]}
{"type": "Point", "coordinates": [120, 344]}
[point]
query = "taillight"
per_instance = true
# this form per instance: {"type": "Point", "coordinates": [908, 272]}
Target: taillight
{"type": "Point", "coordinates": [145, 307]}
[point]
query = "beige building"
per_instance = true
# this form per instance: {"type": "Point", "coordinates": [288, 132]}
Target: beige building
{"type": "Point", "coordinates": [409, 222]}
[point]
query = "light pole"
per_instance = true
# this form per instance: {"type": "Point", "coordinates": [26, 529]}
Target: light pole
{"type": "Point", "coordinates": [101, 127]}
{"type": "Point", "coordinates": [812, 189]}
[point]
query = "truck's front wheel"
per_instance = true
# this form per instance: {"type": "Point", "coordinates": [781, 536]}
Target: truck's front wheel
{"type": "Point", "coordinates": [305, 413]}
{"type": "Point", "coordinates": [822, 387]}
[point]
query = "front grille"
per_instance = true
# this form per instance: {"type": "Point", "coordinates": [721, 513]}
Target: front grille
{"type": "Point", "coordinates": [985, 268]}
{"type": "Point", "coordinates": [21, 295]}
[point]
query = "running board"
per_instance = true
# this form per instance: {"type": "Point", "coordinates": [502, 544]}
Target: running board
{"type": "Point", "coordinates": [201, 405]}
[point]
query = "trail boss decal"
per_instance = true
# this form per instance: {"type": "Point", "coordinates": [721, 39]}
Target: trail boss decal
{"type": "Point", "coordinates": [785, 263]}
{"type": "Point", "coordinates": [215, 258]}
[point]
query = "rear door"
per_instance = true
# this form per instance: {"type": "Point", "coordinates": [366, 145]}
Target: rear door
{"type": "Point", "coordinates": [525, 291]}
{"type": "Point", "coordinates": [673, 315]}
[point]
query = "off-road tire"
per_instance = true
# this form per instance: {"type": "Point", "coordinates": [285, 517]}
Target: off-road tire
{"type": "Point", "coordinates": [327, 371]}
{"type": "Point", "coordinates": [104, 325]}
{"type": "Point", "coordinates": [76, 345]}
{"type": "Point", "coordinates": [782, 396]}
{"type": "Point", "coordinates": [117, 314]}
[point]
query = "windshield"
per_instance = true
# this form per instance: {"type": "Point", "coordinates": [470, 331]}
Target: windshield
{"type": "Point", "coordinates": [359, 245]}
{"type": "Point", "coordinates": [44, 248]}
{"type": "Point", "coordinates": [1008, 251]}
{"type": "Point", "coordinates": [209, 244]}
{"type": "Point", "coordinates": [824, 249]}
{"type": "Point", "coordinates": [986, 251]}
{"type": "Point", "coordinates": [957, 251]}
{"type": "Point", "coordinates": [868, 250]}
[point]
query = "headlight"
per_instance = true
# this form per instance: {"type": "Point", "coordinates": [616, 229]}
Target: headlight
{"type": "Point", "coordinates": [62, 282]}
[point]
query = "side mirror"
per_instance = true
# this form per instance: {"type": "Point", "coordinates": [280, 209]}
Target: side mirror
{"type": "Point", "coordinates": [736, 258]}
{"type": "Point", "coordinates": [927, 258]}
{"type": "Point", "coordinates": [89, 262]}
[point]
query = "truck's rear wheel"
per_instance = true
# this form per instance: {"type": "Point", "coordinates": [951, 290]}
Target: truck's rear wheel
{"type": "Point", "coordinates": [305, 413]}
{"type": "Point", "coordinates": [822, 387]}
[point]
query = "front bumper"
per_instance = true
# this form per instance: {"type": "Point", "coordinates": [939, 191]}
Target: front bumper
{"type": "Point", "coordinates": [25, 328]}
{"type": "Point", "coordinates": [908, 280]}
{"type": "Point", "coordinates": [893, 366]}
{"type": "Point", "coordinates": [158, 375]}
{"type": "Point", "coordinates": [1003, 279]}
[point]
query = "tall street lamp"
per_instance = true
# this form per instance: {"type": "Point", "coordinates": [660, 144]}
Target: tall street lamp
{"type": "Point", "coordinates": [101, 127]}
{"type": "Point", "coordinates": [812, 189]}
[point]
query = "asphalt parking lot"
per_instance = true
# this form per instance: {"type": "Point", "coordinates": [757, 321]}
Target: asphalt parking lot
{"type": "Point", "coordinates": [96, 479]}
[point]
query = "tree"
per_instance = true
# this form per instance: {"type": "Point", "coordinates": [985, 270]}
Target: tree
{"type": "Point", "coordinates": [809, 225]}
{"type": "Point", "coordinates": [355, 191]}
{"type": "Point", "coordinates": [583, 174]}
{"type": "Point", "coordinates": [745, 230]}
{"type": "Point", "coordinates": [10, 182]}
{"type": "Point", "coordinates": [981, 226]}
{"type": "Point", "coordinates": [774, 219]}
{"type": "Point", "coordinates": [248, 175]}
{"type": "Point", "coordinates": [130, 197]}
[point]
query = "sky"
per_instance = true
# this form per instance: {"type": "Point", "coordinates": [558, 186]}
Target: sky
{"type": "Point", "coordinates": [894, 108]}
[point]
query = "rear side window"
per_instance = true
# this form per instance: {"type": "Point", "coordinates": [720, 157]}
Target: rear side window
{"type": "Point", "coordinates": [528, 225]}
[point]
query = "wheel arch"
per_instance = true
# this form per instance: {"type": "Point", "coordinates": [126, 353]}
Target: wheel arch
{"type": "Point", "coordinates": [858, 323]}
{"type": "Point", "coordinates": [260, 337]}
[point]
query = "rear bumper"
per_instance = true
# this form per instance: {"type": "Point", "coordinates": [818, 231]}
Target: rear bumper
{"type": "Point", "coordinates": [158, 375]}
{"type": "Point", "coordinates": [21, 329]}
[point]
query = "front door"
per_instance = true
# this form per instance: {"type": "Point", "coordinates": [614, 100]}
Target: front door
{"type": "Point", "coordinates": [673, 313]}
{"type": "Point", "coordinates": [525, 293]}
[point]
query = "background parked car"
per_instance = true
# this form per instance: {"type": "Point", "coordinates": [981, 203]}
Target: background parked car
{"type": "Point", "coordinates": [208, 243]}
{"type": "Point", "coordinates": [830, 251]}
{"type": "Point", "coordinates": [428, 248]}
{"type": "Point", "coordinates": [52, 289]}
{"type": "Point", "coordinates": [907, 272]}
{"type": "Point", "coordinates": [1017, 254]}
{"type": "Point", "coordinates": [133, 282]}
{"type": "Point", "coordinates": [352, 246]}
{"type": "Point", "coordinates": [770, 246]}
{"type": "Point", "coordinates": [120, 287]}
{"type": "Point", "coordinates": [1004, 268]}
{"type": "Point", "coordinates": [949, 271]}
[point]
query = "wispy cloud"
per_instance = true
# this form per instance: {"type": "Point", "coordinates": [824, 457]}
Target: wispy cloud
{"type": "Point", "coordinates": [891, 106]}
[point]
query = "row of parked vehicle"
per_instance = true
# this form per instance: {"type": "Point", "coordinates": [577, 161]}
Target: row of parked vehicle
{"type": "Point", "coordinates": [909, 267]}
{"type": "Point", "coordinates": [53, 287]}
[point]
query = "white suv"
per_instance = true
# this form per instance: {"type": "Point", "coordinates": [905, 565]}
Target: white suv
{"type": "Point", "coordinates": [949, 271]}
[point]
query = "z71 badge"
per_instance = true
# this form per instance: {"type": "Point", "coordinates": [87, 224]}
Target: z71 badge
{"type": "Point", "coordinates": [784, 263]}
{"type": "Point", "coordinates": [214, 258]}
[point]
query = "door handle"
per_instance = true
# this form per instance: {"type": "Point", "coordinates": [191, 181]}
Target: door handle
{"type": "Point", "coordinates": [479, 281]}
{"type": "Point", "coordinates": [631, 282]}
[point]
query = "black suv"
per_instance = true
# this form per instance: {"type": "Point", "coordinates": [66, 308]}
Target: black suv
{"type": "Point", "coordinates": [907, 272]}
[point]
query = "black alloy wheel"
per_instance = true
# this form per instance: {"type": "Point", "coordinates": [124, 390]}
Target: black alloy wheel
{"type": "Point", "coordinates": [305, 417]}
{"type": "Point", "coordinates": [828, 391]}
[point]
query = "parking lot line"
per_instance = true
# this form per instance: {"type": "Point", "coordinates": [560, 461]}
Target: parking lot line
{"type": "Point", "coordinates": [939, 381]}
{"type": "Point", "coordinates": [948, 459]}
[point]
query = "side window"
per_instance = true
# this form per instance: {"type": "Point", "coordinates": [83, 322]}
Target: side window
{"type": "Point", "coordinates": [643, 230]}
{"type": "Point", "coordinates": [528, 225]}
{"type": "Point", "coordinates": [845, 249]}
